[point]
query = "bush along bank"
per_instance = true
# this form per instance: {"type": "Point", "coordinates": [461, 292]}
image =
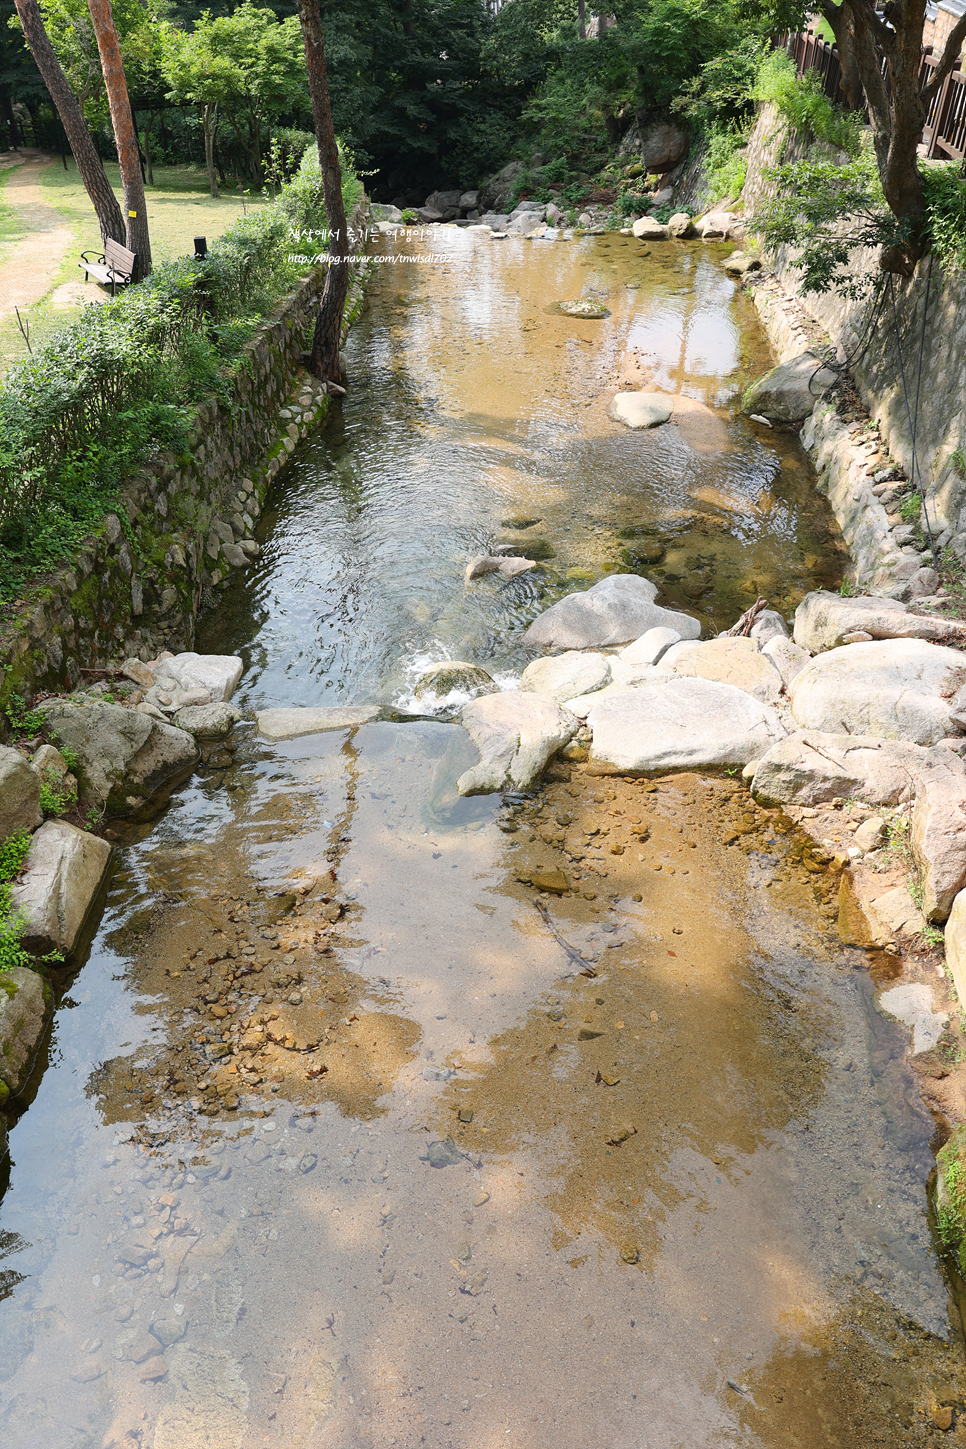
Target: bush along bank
{"type": "Point", "coordinates": [145, 541]}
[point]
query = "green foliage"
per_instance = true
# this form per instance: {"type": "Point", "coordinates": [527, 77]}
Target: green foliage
{"type": "Point", "coordinates": [910, 509]}
{"type": "Point", "coordinates": [725, 161]}
{"type": "Point", "coordinates": [805, 105]}
{"type": "Point", "coordinates": [951, 1216]}
{"type": "Point", "coordinates": [13, 853]}
{"type": "Point", "coordinates": [249, 65]}
{"type": "Point", "coordinates": [119, 384]}
{"type": "Point", "coordinates": [958, 461]}
{"type": "Point", "coordinates": [933, 936]}
{"type": "Point", "coordinates": [824, 211]}
{"type": "Point", "coordinates": [723, 91]}
{"type": "Point", "coordinates": [57, 795]}
{"type": "Point", "coordinates": [21, 718]}
{"type": "Point", "coordinates": [945, 190]}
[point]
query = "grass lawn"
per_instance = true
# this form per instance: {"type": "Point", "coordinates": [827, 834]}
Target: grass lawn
{"type": "Point", "coordinates": [179, 209]}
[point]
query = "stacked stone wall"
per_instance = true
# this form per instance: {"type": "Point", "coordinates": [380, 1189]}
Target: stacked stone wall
{"type": "Point", "coordinates": [180, 525]}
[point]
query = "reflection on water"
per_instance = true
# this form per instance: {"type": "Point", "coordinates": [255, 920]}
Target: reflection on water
{"type": "Point", "coordinates": [477, 407]}
{"type": "Point", "coordinates": [339, 1140]}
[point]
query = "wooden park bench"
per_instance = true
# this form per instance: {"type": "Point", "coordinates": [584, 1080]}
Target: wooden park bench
{"type": "Point", "coordinates": [115, 265]}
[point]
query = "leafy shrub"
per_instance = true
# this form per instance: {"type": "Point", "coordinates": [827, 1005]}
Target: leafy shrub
{"type": "Point", "coordinates": [804, 104]}
{"type": "Point", "coordinates": [824, 211]}
{"type": "Point", "coordinates": [723, 91]}
{"type": "Point", "coordinates": [725, 161]}
{"type": "Point", "coordinates": [13, 853]}
{"type": "Point", "coordinates": [945, 191]}
{"type": "Point", "coordinates": [119, 384]}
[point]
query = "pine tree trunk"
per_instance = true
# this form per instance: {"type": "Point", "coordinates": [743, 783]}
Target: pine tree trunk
{"type": "Point", "coordinates": [209, 121]}
{"type": "Point", "coordinates": [137, 238]}
{"type": "Point", "coordinates": [88, 162]}
{"type": "Point", "coordinates": [324, 357]}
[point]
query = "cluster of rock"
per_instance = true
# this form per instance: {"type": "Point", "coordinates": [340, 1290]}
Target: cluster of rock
{"type": "Point", "coordinates": [117, 757]}
{"type": "Point", "coordinates": [865, 702]}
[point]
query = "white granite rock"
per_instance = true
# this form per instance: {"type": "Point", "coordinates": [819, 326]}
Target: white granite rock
{"type": "Point", "coordinates": [615, 611]}
{"type": "Point", "coordinates": [516, 733]}
{"type": "Point", "coordinates": [680, 724]}
{"type": "Point", "coordinates": [729, 661]}
{"type": "Point", "coordinates": [291, 724]}
{"type": "Point", "coordinates": [62, 875]}
{"type": "Point", "coordinates": [561, 676]}
{"type": "Point", "coordinates": [893, 689]}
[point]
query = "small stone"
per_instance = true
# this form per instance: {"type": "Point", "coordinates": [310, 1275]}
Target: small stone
{"type": "Point", "coordinates": [609, 1081]}
{"type": "Point", "coordinates": [155, 1368]}
{"type": "Point", "coordinates": [481, 1198]}
{"type": "Point", "coordinates": [943, 1417]}
{"type": "Point", "coordinates": [629, 1253]}
{"type": "Point", "coordinates": [307, 1162]}
{"type": "Point", "coordinates": [443, 1154]}
{"type": "Point", "coordinates": [655, 1018]}
{"type": "Point", "coordinates": [586, 1034]}
{"type": "Point", "coordinates": [169, 1330]}
{"type": "Point", "coordinates": [466, 1114]}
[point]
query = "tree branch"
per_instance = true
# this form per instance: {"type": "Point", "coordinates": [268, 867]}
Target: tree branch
{"type": "Point", "coordinates": [866, 16]}
{"type": "Point", "coordinates": [950, 55]}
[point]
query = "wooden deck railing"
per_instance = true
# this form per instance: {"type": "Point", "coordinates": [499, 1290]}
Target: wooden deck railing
{"type": "Point", "coordinates": [944, 134]}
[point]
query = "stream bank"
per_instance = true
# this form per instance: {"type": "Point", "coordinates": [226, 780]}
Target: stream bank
{"type": "Point", "coordinates": [339, 1137]}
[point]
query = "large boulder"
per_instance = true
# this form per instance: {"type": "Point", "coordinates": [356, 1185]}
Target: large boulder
{"type": "Point", "coordinates": [19, 794]}
{"type": "Point", "coordinates": [62, 875]}
{"type": "Point", "coordinates": [663, 146]}
{"type": "Point", "coordinates": [497, 190]}
{"type": "Point", "coordinates": [729, 661]}
{"type": "Point", "coordinates": [788, 657]}
{"type": "Point", "coordinates": [516, 733]}
{"type": "Point", "coordinates": [447, 203]}
{"type": "Point", "coordinates": [640, 409]}
{"type": "Point", "coordinates": [217, 673]}
{"type": "Point", "coordinates": [647, 228]}
{"type": "Point", "coordinates": [717, 224]}
{"type": "Point", "coordinates": [293, 723]}
{"type": "Point", "coordinates": [615, 611]}
{"type": "Point", "coordinates": [525, 223]}
{"type": "Point", "coordinates": [955, 943]}
{"type": "Point", "coordinates": [939, 839]}
{"type": "Point", "coordinates": [812, 767]}
{"type": "Point", "coordinates": [680, 225]}
{"type": "Point", "coordinates": [650, 647]}
{"type": "Point", "coordinates": [208, 721]}
{"type": "Point", "coordinates": [123, 757]}
{"type": "Point", "coordinates": [682, 724]}
{"type": "Point", "coordinates": [24, 999]}
{"type": "Point", "coordinates": [894, 689]}
{"type": "Point", "coordinates": [789, 392]}
{"type": "Point", "coordinates": [823, 619]}
{"type": "Point", "coordinates": [564, 676]}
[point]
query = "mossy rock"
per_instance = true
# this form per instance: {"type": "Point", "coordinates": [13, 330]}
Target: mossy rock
{"type": "Point", "coordinates": [519, 520]}
{"type": "Point", "coordinates": [644, 554]}
{"type": "Point", "coordinates": [539, 548]}
{"type": "Point", "coordinates": [443, 679]}
{"type": "Point", "coordinates": [951, 1196]}
{"type": "Point", "coordinates": [585, 308]}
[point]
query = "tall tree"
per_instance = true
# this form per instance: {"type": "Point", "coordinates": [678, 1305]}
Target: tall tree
{"type": "Point", "coordinates": [137, 238]}
{"type": "Point", "coordinates": [81, 144]}
{"type": "Point", "coordinates": [888, 55]}
{"type": "Point", "coordinates": [324, 356]}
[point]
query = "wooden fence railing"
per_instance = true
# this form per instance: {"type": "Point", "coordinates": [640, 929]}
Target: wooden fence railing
{"type": "Point", "coordinates": [944, 133]}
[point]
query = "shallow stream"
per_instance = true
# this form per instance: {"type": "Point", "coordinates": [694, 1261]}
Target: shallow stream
{"type": "Point", "coordinates": [348, 1136]}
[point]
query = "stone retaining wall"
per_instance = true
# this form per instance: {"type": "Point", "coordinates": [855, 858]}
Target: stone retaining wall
{"type": "Point", "coordinates": [181, 524]}
{"type": "Point", "coordinates": [941, 424]}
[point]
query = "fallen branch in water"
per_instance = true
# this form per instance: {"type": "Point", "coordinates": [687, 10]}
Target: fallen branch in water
{"type": "Point", "coordinates": [583, 966]}
{"type": "Point", "coordinates": [744, 625]}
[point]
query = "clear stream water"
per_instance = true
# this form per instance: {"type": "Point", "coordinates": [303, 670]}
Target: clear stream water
{"type": "Point", "coordinates": [647, 1170]}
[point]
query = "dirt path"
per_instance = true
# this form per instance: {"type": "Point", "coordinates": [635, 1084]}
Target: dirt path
{"type": "Point", "coordinates": [27, 273]}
